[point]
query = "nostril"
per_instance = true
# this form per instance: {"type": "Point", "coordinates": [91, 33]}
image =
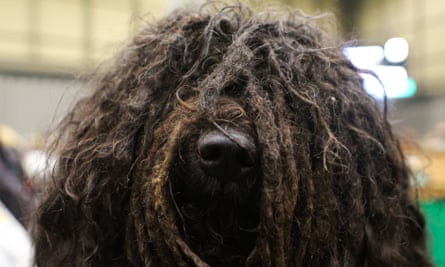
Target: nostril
{"type": "Point", "coordinates": [210, 152]}
{"type": "Point", "coordinates": [226, 155]}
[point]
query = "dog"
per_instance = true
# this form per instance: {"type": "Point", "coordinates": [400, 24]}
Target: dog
{"type": "Point", "coordinates": [229, 138]}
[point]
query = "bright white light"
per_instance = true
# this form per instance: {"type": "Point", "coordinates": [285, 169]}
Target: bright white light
{"type": "Point", "coordinates": [364, 57]}
{"type": "Point", "coordinates": [396, 50]}
{"type": "Point", "coordinates": [393, 81]}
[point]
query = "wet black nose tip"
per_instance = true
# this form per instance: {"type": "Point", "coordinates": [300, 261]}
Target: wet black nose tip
{"type": "Point", "coordinates": [229, 155]}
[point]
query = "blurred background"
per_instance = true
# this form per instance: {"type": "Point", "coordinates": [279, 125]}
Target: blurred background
{"type": "Point", "coordinates": [47, 45]}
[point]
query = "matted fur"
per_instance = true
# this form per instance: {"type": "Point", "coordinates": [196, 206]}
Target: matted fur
{"type": "Point", "coordinates": [330, 189]}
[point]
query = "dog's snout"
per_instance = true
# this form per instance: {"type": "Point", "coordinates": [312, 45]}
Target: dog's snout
{"type": "Point", "coordinates": [227, 155]}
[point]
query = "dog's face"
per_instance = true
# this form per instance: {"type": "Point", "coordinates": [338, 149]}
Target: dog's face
{"type": "Point", "coordinates": [216, 185]}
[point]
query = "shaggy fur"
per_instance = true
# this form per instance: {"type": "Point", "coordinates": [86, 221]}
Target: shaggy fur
{"type": "Point", "coordinates": [329, 186]}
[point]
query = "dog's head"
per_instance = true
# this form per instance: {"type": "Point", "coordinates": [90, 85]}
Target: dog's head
{"type": "Point", "coordinates": [229, 139]}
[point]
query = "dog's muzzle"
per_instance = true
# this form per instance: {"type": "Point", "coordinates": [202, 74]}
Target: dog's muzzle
{"type": "Point", "coordinates": [227, 155]}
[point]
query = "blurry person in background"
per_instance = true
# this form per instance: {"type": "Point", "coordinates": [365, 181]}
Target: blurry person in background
{"type": "Point", "coordinates": [15, 192]}
{"type": "Point", "coordinates": [16, 201]}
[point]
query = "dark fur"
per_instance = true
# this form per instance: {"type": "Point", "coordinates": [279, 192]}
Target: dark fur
{"type": "Point", "coordinates": [329, 188]}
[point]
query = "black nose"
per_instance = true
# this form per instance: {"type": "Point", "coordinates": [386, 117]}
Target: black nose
{"type": "Point", "coordinates": [230, 155]}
